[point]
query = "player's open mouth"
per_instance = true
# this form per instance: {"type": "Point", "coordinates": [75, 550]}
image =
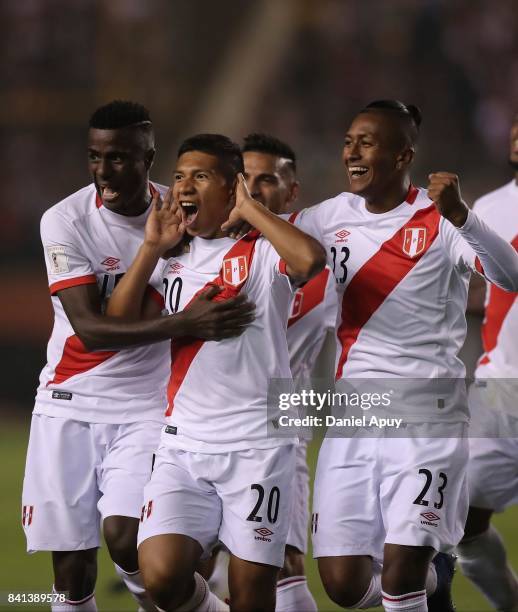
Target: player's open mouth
{"type": "Point", "coordinates": [108, 195]}
{"type": "Point", "coordinates": [357, 171]}
{"type": "Point", "coordinates": [189, 213]}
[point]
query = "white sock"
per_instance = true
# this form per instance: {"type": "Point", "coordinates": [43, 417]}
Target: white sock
{"type": "Point", "coordinates": [431, 580]}
{"type": "Point", "coordinates": [372, 596]}
{"type": "Point", "coordinates": [409, 602]}
{"type": "Point", "coordinates": [218, 582]}
{"type": "Point", "coordinates": [133, 581]}
{"type": "Point", "coordinates": [202, 600]}
{"type": "Point", "coordinates": [87, 604]}
{"type": "Point", "coordinates": [484, 561]}
{"type": "Point", "coordinates": [293, 595]}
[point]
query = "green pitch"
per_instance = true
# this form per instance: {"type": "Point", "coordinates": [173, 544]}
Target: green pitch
{"type": "Point", "coordinates": [32, 573]}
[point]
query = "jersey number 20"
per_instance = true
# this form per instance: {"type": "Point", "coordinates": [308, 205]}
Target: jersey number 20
{"type": "Point", "coordinates": [272, 510]}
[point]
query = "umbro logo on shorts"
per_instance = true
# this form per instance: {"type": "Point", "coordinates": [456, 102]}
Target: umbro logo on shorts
{"type": "Point", "coordinates": [110, 263]}
{"type": "Point", "coordinates": [263, 532]}
{"type": "Point", "coordinates": [27, 513]}
{"type": "Point", "coordinates": [431, 518]}
{"type": "Point", "coordinates": [342, 235]}
{"type": "Point", "coordinates": [146, 511]}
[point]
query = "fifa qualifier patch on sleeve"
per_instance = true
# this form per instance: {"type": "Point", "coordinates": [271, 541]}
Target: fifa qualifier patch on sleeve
{"type": "Point", "coordinates": [58, 259]}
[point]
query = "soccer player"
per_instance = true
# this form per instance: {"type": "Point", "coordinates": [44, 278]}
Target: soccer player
{"type": "Point", "coordinates": [99, 405]}
{"type": "Point", "coordinates": [402, 257]}
{"type": "Point", "coordinates": [270, 173]}
{"type": "Point", "coordinates": [217, 475]}
{"type": "Point", "coordinates": [493, 465]}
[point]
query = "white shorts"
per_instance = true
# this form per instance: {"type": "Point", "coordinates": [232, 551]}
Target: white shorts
{"type": "Point", "coordinates": [493, 461]}
{"type": "Point", "coordinates": [299, 516]}
{"type": "Point", "coordinates": [407, 491]}
{"type": "Point", "coordinates": [77, 473]}
{"type": "Point", "coordinates": [242, 498]}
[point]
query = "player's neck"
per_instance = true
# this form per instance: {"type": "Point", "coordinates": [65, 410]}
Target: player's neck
{"type": "Point", "coordinates": [391, 197]}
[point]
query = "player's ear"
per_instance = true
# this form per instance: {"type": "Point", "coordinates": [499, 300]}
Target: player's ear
{"type": "Point", "coordinates": [294, 192]}
{"type": "Point", "coordinates": [405, 158]}
{"type": "Point", "coordinates": [149, 158]}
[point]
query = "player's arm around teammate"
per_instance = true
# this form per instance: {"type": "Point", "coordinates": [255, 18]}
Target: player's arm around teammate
{"type": "Point", "coordinates": [204, 319]}
{"type": "Point", "coordinates": [98, 414]}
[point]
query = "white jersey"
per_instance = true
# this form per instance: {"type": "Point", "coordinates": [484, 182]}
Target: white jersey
{"type": "Point", "coordinates": [499, 209]}
{"type": "Point", "coordinates": [313, 312]}
{"type": "Point", "coordinates": [402, 281]}
{"type": "Point", "coordinates": [217, 393]}
{"type": "Point", "coordinates": [85, 243]}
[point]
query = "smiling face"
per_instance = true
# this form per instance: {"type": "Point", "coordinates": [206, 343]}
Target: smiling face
{"type": "Point", "coordinates": [203, 193]}
{"type": "Point", "coordinates": [119, 162]}
{"type": "Point", "coordinates": [376, 154]}
{"type": "Point", "coordinates": [270, 180]}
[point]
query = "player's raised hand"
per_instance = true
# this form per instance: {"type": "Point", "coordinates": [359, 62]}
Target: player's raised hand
{"type": "Point", "coordinates": [164, 226]}
{"type": "Point", "coordinates": [444, 190]}
{"type": "Point", "coordinates": [236, 225]}
{"type": "Point", "coordinates": [213, 320]}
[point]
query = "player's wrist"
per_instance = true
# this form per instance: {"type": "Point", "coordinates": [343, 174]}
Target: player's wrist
{"type": "Point", "coordinates": [459, 216]}
{"type": "Point", "coordinates": [150, 248]}
{"type": "Point", "coordinates": [176, 325]}
{"type": "Point", "coordinates": [253, 212]}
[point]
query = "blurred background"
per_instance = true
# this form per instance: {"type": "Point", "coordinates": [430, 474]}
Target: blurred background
{"type": "Point", "coordinates": [299, 69]}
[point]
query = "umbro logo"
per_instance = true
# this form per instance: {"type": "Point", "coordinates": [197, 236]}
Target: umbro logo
{"type": "Point", "coordinates": [430, 519]}
{"type": "Point", "coordinates": [430, 516]}
{"type": "Point", "coordinates": [111, 263]}
{"type": "Point", "coordinates": [264, 534]}
{"type": "Point", "coordinates": [175, 267]}
{"type": "Point", "coordinates": [264, 531]}
{"type": "Point", "coordinates": [342, 235]}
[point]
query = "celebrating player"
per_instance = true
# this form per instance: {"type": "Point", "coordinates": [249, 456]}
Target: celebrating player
{"type": "Point", "coordinates": [217, 475]}
{"type": "Point", "coordinates": [270, 172]}
{"type": "Point", "coordinates": [492, 468]}
{"type": "Point", "coordinates": [402, 259]}
{"type": "Point", "coordinates": [99, 404]}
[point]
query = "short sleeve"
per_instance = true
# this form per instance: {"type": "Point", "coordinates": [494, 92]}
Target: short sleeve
{"type": "Point", "coordinates": [309, 221]}
{"type": "Point", "coordinates": [269, 264]}
{"type": "Point", "coordinates": [67, 266]}
{"type": "Point", "coordinates": [155, 288]}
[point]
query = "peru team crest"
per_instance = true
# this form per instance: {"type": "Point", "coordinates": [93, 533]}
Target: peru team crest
{"type": "Point", "coordinates": [235, 270]}
{"type": "Point", "coordinates": [414, 241]}
{"type": "Point", "coordinates": [296, 305]}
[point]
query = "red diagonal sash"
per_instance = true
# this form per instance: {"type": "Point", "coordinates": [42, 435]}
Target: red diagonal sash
{"type": "Point", "coordinates": [309, 296]}
{"type": "Point", "coordinates": [378, 277]}
{"type": "Point", "coordinates": [498, 306]}
{"type": "Point", "coordinates": [184, 350]}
